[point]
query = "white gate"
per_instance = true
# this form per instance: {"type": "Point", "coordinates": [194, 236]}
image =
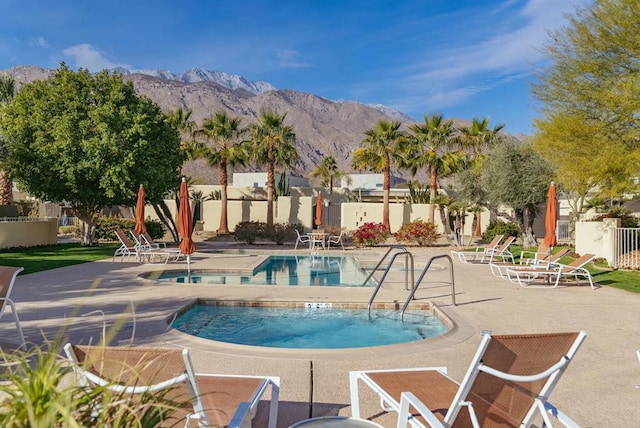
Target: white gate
{"type": "Point", "coordinates": [626, 248]}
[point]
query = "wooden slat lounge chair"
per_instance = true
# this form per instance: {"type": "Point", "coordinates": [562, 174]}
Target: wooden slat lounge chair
{"type": "Point", "coordinates": [499, 269]}
{"type": "Point", "coordinates": [479, 253]}
{"type": "Point", "coordinates": [501, 252]}
{"type": "Point", "coordinates": [200, 400]}
{"type": "Point", "coordinates": [556, 271]}
{"type": "Point", "coordinates": [150, 247]}
{"type": "Point", "coordinates": [8, 276]}
{"type": "Point", "coordinates": [127, 246]}
{"type": "Point", "coordinates": [508, 384]}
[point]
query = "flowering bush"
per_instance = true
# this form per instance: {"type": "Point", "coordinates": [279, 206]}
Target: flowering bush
{"type": "Point", "coordinates": [370, 234]}
{"type": "Point", "coordinates": [419, 232]}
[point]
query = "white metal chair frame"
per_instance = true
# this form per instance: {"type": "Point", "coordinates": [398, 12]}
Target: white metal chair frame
{"type": "Point", "coordinates": [302, 239]}
{"type": "Point", "coordinates": [408, 400]}
{"type": "Point", "coordinates": [10, 273]}
{"type": "Point", "coordinates": [335, 239]}
{"type": "Point", "coordinates": [241, 418]}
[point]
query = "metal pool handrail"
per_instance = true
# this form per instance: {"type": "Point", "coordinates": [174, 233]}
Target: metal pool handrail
{"type": "Point", "coordinates": [424, 272]}
{"type": "Point", "coordinates": [408, 256]}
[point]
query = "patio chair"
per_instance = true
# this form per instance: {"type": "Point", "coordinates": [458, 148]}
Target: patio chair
{"type": "Point", "coordinates": [499, 269]}
{"type": "Point", "coordinates": [556, 271]}
{"type": "Point", "coordinates": [478, 253]}
{"type": "Point", "coordinates": [8, 276]}
{"type": "Point", "coordinates": [507, 384]}
{"type": "Point", "coordinates": [318, 238]}
{"type": "Point", "coordinates": [127, 246]}
{"type": "Point", "coordinates": [302, 239]}
{"type": "Point", "coordinates": [148, 245]}
{"type": "Point", "coordinates": [199, 399]}
{"type": "Point", "coordinates": [502, 252]}
{"type": "Point", "coordinates": [335, 239]}
{"type": "Point", "coordinates": [535, 257]}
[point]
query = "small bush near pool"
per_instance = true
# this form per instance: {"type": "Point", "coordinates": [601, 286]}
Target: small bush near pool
{"type": "Point", "coordinates": [498, 227]}
{"type": "Point", "coordinates": [370, 234]}
{"type": "Point", "coordinates": [418, 232]}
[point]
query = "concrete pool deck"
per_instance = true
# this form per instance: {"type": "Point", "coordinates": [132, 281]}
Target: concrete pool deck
{"type": "Point", "coordinates": [598, 389]}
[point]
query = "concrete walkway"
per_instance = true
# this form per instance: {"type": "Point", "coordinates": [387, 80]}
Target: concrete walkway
{"type": "Point", "coordinates": [598, 389]}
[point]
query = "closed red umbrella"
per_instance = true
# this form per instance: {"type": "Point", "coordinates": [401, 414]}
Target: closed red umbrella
{"type": "Point", "coordinates": [185, 222]}
{"type": "Point", "coordinates": [140, 227]}
{"type": "Point", "coordinates": [551, 217]}
{"type": "Point", "coordinates": [319, 210]}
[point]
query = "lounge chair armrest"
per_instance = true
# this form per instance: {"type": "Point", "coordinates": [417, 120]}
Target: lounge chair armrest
{"type": "Point", "coordinates": [561, 416]}
{"type": "Point", "coordinates": [407, 400]}
{"type": "Point", "coordinates": [242, 416]}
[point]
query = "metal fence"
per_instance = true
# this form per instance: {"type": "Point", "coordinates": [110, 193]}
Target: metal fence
{"type": "Point", "coordinates": [626, 242]}
{"type": "Point", "coordinates": [563, 231]}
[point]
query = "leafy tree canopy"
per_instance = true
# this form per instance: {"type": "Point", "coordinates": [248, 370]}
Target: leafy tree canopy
{"type": "Point", "coordinates": [89, 140]}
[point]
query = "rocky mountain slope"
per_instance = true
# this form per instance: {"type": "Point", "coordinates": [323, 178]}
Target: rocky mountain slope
{"type": "Point", "coordinates": [322, 127]}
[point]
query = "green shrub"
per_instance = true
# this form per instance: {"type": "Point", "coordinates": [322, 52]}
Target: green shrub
{"type": "Point", "coordinates": [419, 232]}
{"type": "Point", "coordinates": [69, 230]}
{"type": "Point", "coordinates": [626, 219]}
{"type": "Point", "coordinates": [370, 234]}
{"type": "Point", "coordinates": [499, 227]}
{"type": "Point", "coordinates": [250, 231]}
{"type": "Point", "coordinates": [34, 394]}
{"type": "Point", "coordinates": [106, 227]}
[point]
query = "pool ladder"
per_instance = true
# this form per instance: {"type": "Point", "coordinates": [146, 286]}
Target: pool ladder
{"type": "Point", "coordinates": [408, 271]}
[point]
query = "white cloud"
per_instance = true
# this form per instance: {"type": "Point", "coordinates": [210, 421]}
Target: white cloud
{"type": "Point", "coordinates": [492, 61]}
{"type": "Point", "coordinates": [86, 56]}
{"type": "Point", "coordinates": [290, 58]}
{"type": "Point", "coordinates": [39, 42]}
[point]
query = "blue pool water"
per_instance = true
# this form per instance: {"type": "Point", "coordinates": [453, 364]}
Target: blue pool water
{"type": "Point", "coordinates": [331, 328]}
{"type": "Point", "coordinates": [318, 270]}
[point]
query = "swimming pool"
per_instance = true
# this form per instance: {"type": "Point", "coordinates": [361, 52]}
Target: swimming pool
{"type": "Point", "coordinates": [314, 270]}
{"type": "Point", "coordinates": [314, 326]}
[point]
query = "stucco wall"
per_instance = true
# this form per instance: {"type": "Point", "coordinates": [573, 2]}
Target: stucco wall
{"type": "Point", "coordinates": [28, 233]}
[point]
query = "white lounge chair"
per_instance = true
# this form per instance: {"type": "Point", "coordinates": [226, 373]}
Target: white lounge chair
{"type": "Point", "coordinates": [556, 271]}
{"type": "Point", "coordinates": [535, 257]}
{"type": "Point", "coordinates": [507, 384]}
{"type": "Point", "coordinates": [203, 399]}
{"type": "Point", "coordinates": [127, 247]}
{"type": "Point", "coordinates": [8, 276]}
{"type": "Point", "coordinates": [148, 245]}
{"type": "Point", "coordinates": [335, 239]}
{"type": "Point", "coordinates": [479, 253]}
{"type": "Point", "coordinates": [499, 269]}
{"type": "Point", "coordinates": [302, 239]}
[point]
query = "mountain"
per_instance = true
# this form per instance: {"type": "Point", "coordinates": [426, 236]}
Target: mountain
{"type": "Point", "coordinates": [323, 127]}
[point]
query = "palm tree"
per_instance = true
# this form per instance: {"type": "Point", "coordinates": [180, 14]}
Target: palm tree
{"type": "Point", "coordinates": [328, 172]}
{"type": "Point", "coordinates": [384, 144]}
{"type": "Point", "coordinates": [226, 135]}
{"type": "Point", "coordinates": [272, 143]}
{"type": "Point", "coordinates": [479, 137]}
{"type": "Point", "coordinates": [434, 148]}
{"type": "Point", "coordinates": [7, 91]}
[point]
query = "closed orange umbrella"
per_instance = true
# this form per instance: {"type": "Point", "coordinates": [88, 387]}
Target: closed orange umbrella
{"type": "Point", "coordinates": [185, 223]}
{"type": "Point", "coordinates": [319, 210]}
{"type": "Point", "coordinates": [551, 217]}
{"type": "Point", "coordinates": [140, 227]}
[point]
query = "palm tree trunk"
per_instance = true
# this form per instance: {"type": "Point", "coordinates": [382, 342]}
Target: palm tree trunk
{"type": "Point", "coordinates": [270, 186]}
{"type": "Point", "coordinates": [223, 229]}
{"type": "Point", "coordinates": [6, 188]}
{"type": "Point", "coordinates": [433, 192]}
{"type": "Point", "coordinates": [385, 199]}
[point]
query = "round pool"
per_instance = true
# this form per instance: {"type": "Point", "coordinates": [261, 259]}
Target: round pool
{"type": "Point", "coordinates": [314, 326]}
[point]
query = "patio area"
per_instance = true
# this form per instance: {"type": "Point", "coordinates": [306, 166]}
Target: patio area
{"type": "Point", "coordinates": [598, 389]}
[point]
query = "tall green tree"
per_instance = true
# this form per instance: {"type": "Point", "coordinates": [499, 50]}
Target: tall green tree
{"type": "Point", "coordinates": [384, 145]}
{"type": "Point", "coordinates": [224, 148]}
{"type": "Point", "coordinates": [7, 92]}
{"type": "Point", "coordinates": [518, 177]}
{"type": "Point", "coordinates": [328, 172]}
{"type": "Point", "coordinates": [478, 137]}
{"type": "Point", "coordinates": [272, 143]}
{"type": "Point", "coordinates": [89, 140]}
{"type": "Point", "coordinates": [434, 148]}
{"type": "Point", "coordinates": [589, 98]}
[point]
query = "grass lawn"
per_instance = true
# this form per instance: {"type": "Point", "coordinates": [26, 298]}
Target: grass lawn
{"type": "Point", "coordinates": [36, 259]}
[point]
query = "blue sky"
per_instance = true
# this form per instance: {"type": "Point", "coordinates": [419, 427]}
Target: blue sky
{"type": "Point", "coordinates": [460, 58]}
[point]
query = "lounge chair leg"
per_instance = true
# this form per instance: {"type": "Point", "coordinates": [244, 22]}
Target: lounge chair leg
{"type": "Point", "coordinates": [355, 400]}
